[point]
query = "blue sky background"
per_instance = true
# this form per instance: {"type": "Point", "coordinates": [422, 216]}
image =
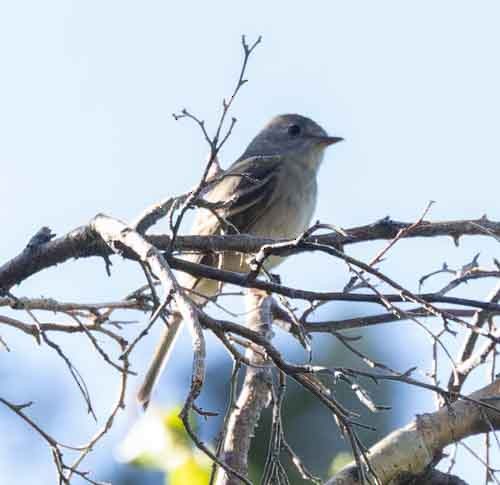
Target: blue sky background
{"type": "Point", "coordinates": [86, 95]}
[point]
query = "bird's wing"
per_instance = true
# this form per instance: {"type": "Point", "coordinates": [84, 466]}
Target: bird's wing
{"type": "Point", "coordinates": [248, 187]}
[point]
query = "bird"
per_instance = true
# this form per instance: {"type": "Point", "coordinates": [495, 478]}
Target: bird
{"type": "Point", "coordinates": [269, 191]}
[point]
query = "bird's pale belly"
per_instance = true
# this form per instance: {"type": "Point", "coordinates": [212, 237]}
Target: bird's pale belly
{"type": "Point", "coordinates": [285, 219]}
{"type": "Point", "coordinates": [288, 217]}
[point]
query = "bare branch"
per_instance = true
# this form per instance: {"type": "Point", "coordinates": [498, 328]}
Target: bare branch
{"type": "Point", "coordinates": [254, 395]}
{"type": "Point", "coordinates": [85, 242]}
{"type": "Point", "coordinates": [467, 360]}
{"type": "Point", "coordinates": [410, 450]}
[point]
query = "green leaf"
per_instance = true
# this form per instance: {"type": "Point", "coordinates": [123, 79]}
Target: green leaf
{"type": "Point", "coordinates": [192, 472]}
{"type": "Point", "coordinates": [340, 461]}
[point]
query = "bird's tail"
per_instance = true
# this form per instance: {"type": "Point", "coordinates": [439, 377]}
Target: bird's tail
{"type": "Point", "coordinates": [169, 336]}
{"type": "Point", "coordinates": [160, 359]}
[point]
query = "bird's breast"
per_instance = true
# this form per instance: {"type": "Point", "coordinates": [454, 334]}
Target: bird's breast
{"type": "Point", "coordinates": [291, 210]}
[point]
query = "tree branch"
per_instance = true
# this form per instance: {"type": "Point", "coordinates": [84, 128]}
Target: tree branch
{"type": "Point", "coordinates": [410, 450]}
{"type": "Point", "coordinates": [254, 395]}
{"type": "Point", "coordinates": [85, 242]}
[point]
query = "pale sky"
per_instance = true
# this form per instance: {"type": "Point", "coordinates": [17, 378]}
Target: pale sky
{"type": "Point", "coordinates": [86, 95]}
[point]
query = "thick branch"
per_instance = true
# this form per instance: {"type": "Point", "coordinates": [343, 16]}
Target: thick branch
{"type": "Point", "coordinates": [254, 396]}
{"type": "Point", "coordinates": [435, 477]}
{"type": "Point", "coordinates": [84, 242]}
{"type": "Point", "coordinates": [410, 450]}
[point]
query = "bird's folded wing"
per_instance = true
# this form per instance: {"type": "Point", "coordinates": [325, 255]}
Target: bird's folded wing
{"type": "Point", "coordinates": [248, 186]}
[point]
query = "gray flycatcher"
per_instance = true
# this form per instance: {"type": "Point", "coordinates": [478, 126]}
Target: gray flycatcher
{"type": "Point", "coordinates": [270, 191]}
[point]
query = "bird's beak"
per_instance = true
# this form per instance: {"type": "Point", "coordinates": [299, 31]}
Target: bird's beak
{"type": "Point", "coordinates": [329, 140]}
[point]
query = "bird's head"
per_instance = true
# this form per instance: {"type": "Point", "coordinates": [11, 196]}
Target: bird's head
{"type": "Point", "coordinates": [293, 136]}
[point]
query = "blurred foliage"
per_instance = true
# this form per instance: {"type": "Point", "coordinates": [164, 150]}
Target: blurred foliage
{"type": "Point", "coordinates": [339, 462]}
{"type": "Point", "coordinates": [309, 427]}
{"type": "Point", "coordinates": [192, 472]}
{"type": "Point", "coordinates": [159, 441]}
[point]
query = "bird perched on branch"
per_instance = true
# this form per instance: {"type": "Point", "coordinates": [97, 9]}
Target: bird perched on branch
{"type": "Point", "coordinates": [270, 191]}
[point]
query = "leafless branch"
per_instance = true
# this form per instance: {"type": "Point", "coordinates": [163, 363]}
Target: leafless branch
{"type": "Point", "coordinates": [406, 456]}
{"type": "Point", "coordinates": [254, 395]}
{"type": "Point", "coordinates": [410, 450]}
{"type": "Point", "coordinates": [85, 242]}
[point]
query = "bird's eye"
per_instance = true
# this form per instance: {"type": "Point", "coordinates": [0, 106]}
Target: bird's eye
{"type": "Point", "coordinates": [294, 130]}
